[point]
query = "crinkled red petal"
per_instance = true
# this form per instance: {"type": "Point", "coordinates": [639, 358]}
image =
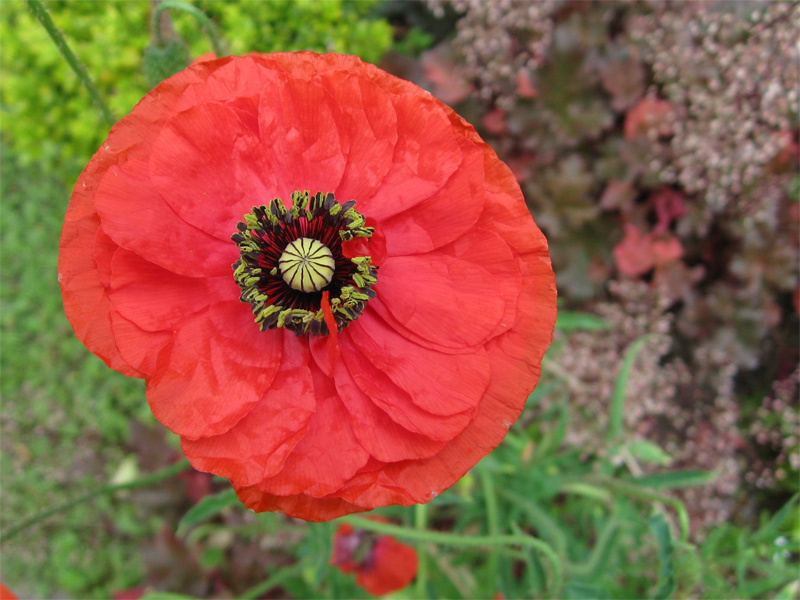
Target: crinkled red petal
{"type": "Point", "coordinates": [214, 372]}
{"type": "Point", "coordinates": [450, 302]}
{"type": "Point", "coordinates": [328, 455]}
{"type": "Point", "coordinates": [257, 446]}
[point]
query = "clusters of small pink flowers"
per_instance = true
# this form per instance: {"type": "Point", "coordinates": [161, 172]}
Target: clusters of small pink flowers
{"type": "Point", "coordinates": [736, 75]}
{"type": "Point", "coordinates": [501, 43]}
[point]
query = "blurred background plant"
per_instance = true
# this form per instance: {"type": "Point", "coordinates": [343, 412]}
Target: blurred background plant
{"type": "Point", "coordinates": [657, 146]}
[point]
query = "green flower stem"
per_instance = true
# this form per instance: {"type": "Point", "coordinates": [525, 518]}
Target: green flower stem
{"type": "Point", "coordinates": [599, 552]}
{"type": "Point", "coordinates": [205, 23]}
{"type": "Point", "coordinates": [104, 490]}
{"type": "Point", "coordinates": [262, 588]}
{"type": "Point", "coordinates": [421, 524]}
{"type": "Point", "coordinates": [453, 539]}
{"type": "Point", "coordinates": [634, 491]}
{"type": "Point", "coordinates": [545, 525]}
{"type": "Point", "coordinates": [542, 522]}
{"type": "Point", "coordinates": [492, 521]}
{"type": "Point", "coordinates": [39, 11]}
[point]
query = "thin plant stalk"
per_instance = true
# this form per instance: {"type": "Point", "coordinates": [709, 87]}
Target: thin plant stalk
{"type": "Point", "coordinates": [41, 14]}
{"type": "Point", "coordinates": [104, 490]}
{"type": "Point", "coordinates": [280, 577]}
{"type": "Point", "coordinates": [492, 520]}
{"type": "Point", "coordinates": [421, 524]}
{"type": "Point", "coordinates": [205, 23]}
{"type": "Point", "coordinates": [471, 541]}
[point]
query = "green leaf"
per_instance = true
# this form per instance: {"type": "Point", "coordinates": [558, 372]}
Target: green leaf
{"type": "Point", "coordinates": [772, 528]}
{"type": "Point", "coordinates": [207, 508]}
{"type": "Point", "coordinates": [789, 592]}
{"type": "Point", "coordinates": [675, 479]}
{"type": "Point", "coordinates": [618, 397]}
{"type": "Point", "coordinates": [554, 436]}
{"type": "Point", "coordinates": [568, 320]}
{"type": "Point", "coordinates": [666, 572]}
{"type": "Point", "coordinates": [649, 452]}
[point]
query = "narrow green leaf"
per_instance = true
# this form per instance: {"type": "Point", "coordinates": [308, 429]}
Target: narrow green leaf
{"type": "Point", "coordinates": [618, 397]}
{"type": "Point", "coordinates": [675, 479]}
{"type": "Point", "coordinates": [207, 508]}
{"type": "Point", "coordinates": [648, 452]}
{"type": "Point", "coordinates": [571, 321]}
{"type": "Point", "coordinates": [666, 572]}
{"type": "Point", "coordinates": [554, 436]}
{"type": "Point", "coordinates": [772, 528]}
{"type": "Point", "coordinates": [790, 591]}
{"type": "Point", "coordinates": [764, 586]}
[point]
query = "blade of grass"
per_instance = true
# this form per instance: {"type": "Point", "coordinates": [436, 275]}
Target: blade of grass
{"type": "Point", "coordinates": [492, 521]}
{"type": "Point", "coordinates": [539, 520]}
{"type": "Point", "coordinates": [591, 568]}
{"type": "Point", "coordinates": [262, 588]}
{"type": "Point", "coordinates": [421, 524]}
{"type": "Point", "coordinates": [631, 489]}
{"type": "Point", "coordinates": [616, 413]}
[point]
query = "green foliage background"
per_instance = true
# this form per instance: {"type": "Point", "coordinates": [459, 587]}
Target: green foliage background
{"type": "Point", "coordinates": [48, 120]}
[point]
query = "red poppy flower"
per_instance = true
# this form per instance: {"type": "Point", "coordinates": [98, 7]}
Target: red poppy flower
{"type": "Point", "coordinates": [7, 594]}
{"type": "Point", "coordinates": [381, 563]}
{"type": "Point", "coordinates": [357, 355]}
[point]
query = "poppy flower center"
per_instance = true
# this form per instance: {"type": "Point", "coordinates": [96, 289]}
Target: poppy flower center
{"type": "Point", "coordinates": [290, 257]}
{"type": "Point", "coordinates": [307, 265]}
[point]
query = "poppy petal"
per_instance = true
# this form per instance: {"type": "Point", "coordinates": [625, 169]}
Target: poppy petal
{"type": "Point", "coordinates": [425, 157]}
{"type": "Point", "coordinates": [199, 391]}
{"type": "Point", "coordinates": [441, 218]}
{"type": "Point", "coordinates": [393, 567]}
{"type": "Point", "coordinates": [299, 506]}
{"type": "Point", "coordinates": [86, 302]}
{"type": "Point", "coordinates": [393, 400]}
{"type": "Point", "coordinates": [136, 346]}
{"type": "Point", "coordinates": [208, 166]}
{"type": "Point", "coordinates": [156, 299]}
{"type": "Point", "coordinates": [384, 439]}
{"type": "Point", "coordinates": [257, 446]}
{"type": "Point", "coordinates": [368, 126]}
{"type": "Point", "coordinates": [441, 384]}
{"type": "Point", "coordinates": [136, 217]}
{"type": "Point", "coordinates": [327, 456]}
{"type": "Point", "coordinates": [451, 302]}
{"type": "Point", "coordinates": [298, 128]}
